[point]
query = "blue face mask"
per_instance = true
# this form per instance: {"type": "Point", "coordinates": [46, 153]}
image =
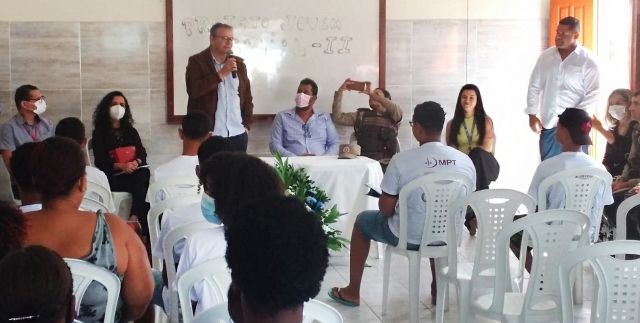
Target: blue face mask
{"type": "Point", "coordinates": [208, 207]}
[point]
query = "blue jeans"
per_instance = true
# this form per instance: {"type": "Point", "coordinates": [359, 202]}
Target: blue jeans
{"type": "Point", "coordinates": [550, 147]}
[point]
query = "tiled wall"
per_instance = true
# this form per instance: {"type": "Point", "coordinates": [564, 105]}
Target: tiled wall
{"type": "Point", "coordinates": [76, 63]}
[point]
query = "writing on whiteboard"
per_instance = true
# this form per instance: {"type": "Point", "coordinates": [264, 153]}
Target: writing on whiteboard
{"type": "Point", "coordinates": [291, 22]}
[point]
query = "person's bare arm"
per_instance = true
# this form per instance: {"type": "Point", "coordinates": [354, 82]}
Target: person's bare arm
{"type": "Point", "coordinates": [447, 132]}
{"type": "Point", "coordinates": [607, 134]}
{"type": "Point", "coordinates": [387, 204]}
{"type": "Point", "coordinates": [489, 135]}
{"type": "Point", "coordinates": [6, 158]}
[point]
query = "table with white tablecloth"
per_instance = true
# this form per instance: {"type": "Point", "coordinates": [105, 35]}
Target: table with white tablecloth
{"type": "Point", "coordinates": [344, 182]}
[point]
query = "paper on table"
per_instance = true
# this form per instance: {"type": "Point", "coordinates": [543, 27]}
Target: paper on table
{"type": "Point", "coordinates": [143, 166]}
{"type": "Point", "coordinates": [374, 190]}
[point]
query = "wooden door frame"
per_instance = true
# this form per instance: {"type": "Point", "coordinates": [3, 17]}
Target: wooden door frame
{"type": "Point", "coordinates": [635, 43]}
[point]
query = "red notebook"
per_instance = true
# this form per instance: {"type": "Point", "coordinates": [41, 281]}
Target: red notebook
{"type": "Point", "coordinates": [123, 154]}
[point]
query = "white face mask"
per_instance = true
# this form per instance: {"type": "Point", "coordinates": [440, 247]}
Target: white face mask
{"type": "Point", "coordinates": [617, 111]}
{"type": "Point", "coordinates": [116, 112]}
{"type": "Point", "coordinates": [302, 100]}
{"type": "Point", "coordinates": [41, 107]}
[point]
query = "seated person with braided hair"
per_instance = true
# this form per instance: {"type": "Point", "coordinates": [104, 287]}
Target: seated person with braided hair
{"type": "Point", "coordinates": [37, 287]}
{"type": "Point", "coordinates": [290, 246]}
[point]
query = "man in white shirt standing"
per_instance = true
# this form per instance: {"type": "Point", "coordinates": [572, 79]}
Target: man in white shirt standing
{"type": "Point", "coordinates": [565, 76]}
{"type": "Point", "coordinates": [196, 126]}
{"type": "Point", "coordinates": [384, 225]}
{"type": "Point", "coordinates": [74, 129]}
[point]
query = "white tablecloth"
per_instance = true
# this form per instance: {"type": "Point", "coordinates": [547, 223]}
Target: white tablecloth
{"type": "Point", "coordinates": [343, 180]}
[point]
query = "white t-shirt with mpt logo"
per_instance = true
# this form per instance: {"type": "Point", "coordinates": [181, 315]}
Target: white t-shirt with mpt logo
{"type": "Point", "coordinates": [410, 164]}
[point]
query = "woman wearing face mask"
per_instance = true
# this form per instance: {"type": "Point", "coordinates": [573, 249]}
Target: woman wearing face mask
{"type": "Point", "coordinates": [113, 128]}
{"type": "Point", "coordinates": [619, 134]}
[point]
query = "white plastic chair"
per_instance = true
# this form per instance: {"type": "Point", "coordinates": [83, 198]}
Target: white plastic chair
{"type": "Point", "coordinates": [620, 232]}
{"type": "Point", "coordinates": [494, 209]}
{"type": "Point", "coordinates": [84, 273]}
{"type": "Point", "coordinates": [92, 205]}
{"type": "Point", "coordinates": [617, 296]}
{"type": "Point", "coordinates": [552, 233]}
{"type": "Point", "coordinates": [153, 218]}
{"type": "Point", "coordinates": [103, 192]}
{"type": "Point", "coordinates": [439, 190]}
{"type": "Point", "coordinates": [580, 188]}
{"type": "Point", "coordinates": [122, 204]}
{"type": "Point", "coordinates": [313, 311]}
{"type": "Point", "coordinates": [172, 237]}
{"type": "Point", "coordinates": [173, 186]}
{"type": "Point", "coordinates": [214, 272]}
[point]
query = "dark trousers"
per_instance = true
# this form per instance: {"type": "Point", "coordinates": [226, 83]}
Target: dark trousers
{"type": "Point", "coordinates": [240, 142]}
{"type": "Point", "coordinates": [633, 217]}
{"type": "Point", "coordinates": [136, 183]}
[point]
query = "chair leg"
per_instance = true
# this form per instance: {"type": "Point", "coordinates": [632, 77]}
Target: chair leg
{"type": "Point", "coordinates": [414, 286]}
{"type": "Point", "coordinates": [385, 281]}
{"type": "Point", "coordinates": [578, 286]}
{"type": "Point", "coordinates": [464, 301]}
{"type": "Point", "coordinates": [380, 249]}
{"type": "Point", "coordinates": [595, 300]}
{"type": "Point", "coordinates": [443, 295]}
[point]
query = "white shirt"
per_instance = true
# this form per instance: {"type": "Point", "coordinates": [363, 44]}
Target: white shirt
{"type": "Point", "coordinates": [556, 195]}
{"type": "Point", "coordinates": [31, 208]}
{"type": "Point", "coordinates": [558, 84]}
{"type": "Point", "coordinates": [179, 166]}
{"type": "Point", "coordinates": [410, 164]}
{"type": "Point", "coordinates": [201, 247]}
{"type": "Point", "coordinates": [228, 115]}
{"type": "Point", "coordinates": [97, 176]}
{"type": "Point", "coordinates": [172, 219]}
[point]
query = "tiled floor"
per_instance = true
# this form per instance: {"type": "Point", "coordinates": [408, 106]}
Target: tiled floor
{"type": "Point", "coordinates": [371, 294]}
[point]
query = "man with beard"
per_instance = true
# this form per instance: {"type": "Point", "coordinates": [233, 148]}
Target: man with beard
{"type": "Point", "coordinates": [302, 131]}
{"type": "Point", "coordinates": [376, 127]}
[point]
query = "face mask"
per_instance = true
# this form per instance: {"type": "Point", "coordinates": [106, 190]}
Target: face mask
{"type": "Point", "coordinates": [41, 107]}
{"type": "Point", "coordinates": [302, 100]}
{"type": "Point", "coordinates": [208, 207]}
{"type": "Point", "coordinates": [116, 112]}
{"type": "Point", "coordinates": [617, 111]}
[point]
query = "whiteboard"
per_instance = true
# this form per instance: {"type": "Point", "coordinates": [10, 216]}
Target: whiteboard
{"type": "Point", "coordinates": [282, 42]}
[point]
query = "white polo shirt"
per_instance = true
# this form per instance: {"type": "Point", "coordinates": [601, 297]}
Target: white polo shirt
{"type": "Point", "coordinates": [201, 247]}
{"type": "Point", "coordinates": [410, 164]}
{"type": "Point", "coordinates": [179, 166]}
{"type": "Point", "coordinates": [555, 195]}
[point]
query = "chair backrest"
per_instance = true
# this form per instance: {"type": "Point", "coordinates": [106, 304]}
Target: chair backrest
{"type": "Point", "coordinates": [103, 192]}
{"type": "Point", "coordinates": [214, 272]}
{"type": "Point", "coordinates": [580, 188]}
{"type": "Point", "coordinates": [618, 298]}
{"type": "Point", "coordinates": [494, 209]}
{"type": "Point", "coordinates": [621, 216]}
{"type": "Point", "coordinates": [170, 240]}
{"type": "Point", "coordinates": [153, 218]}
{"type": "Point", "coordinates": [438, 191]}
{"type": "Point", "coordinates": [84, 273]}
{"type": "Point", "coordinates": [92, 205]}
{"type": "Point", "coordinates": [313, 311]}
{"type": "Point", "coordinates": [552, 233]}
{"type": "Point", "coordinates": [173, 186]}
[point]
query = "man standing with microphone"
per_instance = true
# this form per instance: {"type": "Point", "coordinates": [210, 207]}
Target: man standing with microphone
{"type": "Point", "coordinates": [218, 85]}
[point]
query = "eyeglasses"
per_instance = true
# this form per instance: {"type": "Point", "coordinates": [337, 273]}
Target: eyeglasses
{"type": "Point", "coordinates": [307, 133]}
{"type": "Point", "coordinates": [225, 38]}
{"type": "Point", "coordinates": [36, 100]}
{"type": "Point", "coordinates": [411, 123]}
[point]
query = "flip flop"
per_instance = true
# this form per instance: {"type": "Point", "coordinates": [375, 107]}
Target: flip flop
{"type": "Point", "coordinates": [341, 300]}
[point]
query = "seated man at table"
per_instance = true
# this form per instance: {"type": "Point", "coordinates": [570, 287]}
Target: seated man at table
{"type": "Point", "coordinates": [302, 131]}
{"type": "Point", "coordinates": [572, 133]}
{"type": "Point", "coordinates": [384, 225]}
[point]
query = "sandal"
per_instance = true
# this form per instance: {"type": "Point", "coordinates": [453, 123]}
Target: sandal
{"type": "Point", "coordinates": [338, 298]}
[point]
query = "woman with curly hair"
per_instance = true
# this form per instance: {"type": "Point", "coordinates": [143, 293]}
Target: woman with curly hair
{"type": "Point", "coordinates": [113, 128]}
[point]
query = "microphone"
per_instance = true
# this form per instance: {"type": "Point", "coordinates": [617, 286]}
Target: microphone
{"type": "Point", "coordinates": [233, 73]}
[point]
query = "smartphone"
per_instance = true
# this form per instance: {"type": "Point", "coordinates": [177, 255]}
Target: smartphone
{"type": "Point", "coordinates": [357, 86]}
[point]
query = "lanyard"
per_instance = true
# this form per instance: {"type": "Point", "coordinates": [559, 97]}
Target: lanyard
{"type": "Point", "coordinates": [469, 135]}
{"type": "Point", "coordinates": [33, 135]}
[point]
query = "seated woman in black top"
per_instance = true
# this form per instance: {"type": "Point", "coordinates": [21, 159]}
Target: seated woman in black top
{"type": "Point", "coordinates": [113, 128]}
{"type": "Point", "coordinates": [619, 135]}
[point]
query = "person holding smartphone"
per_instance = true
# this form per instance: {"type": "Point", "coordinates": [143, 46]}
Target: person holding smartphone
{"type": "Point", "coordinates": [376, 127]}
